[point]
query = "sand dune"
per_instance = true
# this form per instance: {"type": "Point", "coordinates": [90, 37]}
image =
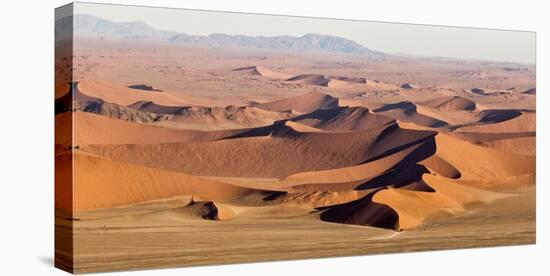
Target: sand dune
{"type": "Point", "coordinates": [451, 183]}
{"type": "Point", "coordinates": [284, 152]}
{"type": "Point", "coordinates": [521, 145]}
{"type": "Point", "coordinates": [493, 169]}
{"type": "Point", "coordinates": [452, 117]}
{"type": "Point", "coordinates": [75, 100]}
{"type": "Point", "coordinates": [450, 103]}
{"type": "Point", "coordinates": [440, 196]}
{"type": "Point", "coordinates": [122, 95]}
{"type": "Point", "coordinates": [301, 128]}
{"type": "Point", "coordinates": [344, 119]}
{"type": "Point", "coordinates": [350, 178]}
{"type": "Point", "coordinates": [229, 117]}
{"type": "Point", "coordinates": [264, 72]}
{"type": "Point", "coordinates": [503, 121]}
{"type": "Point", "coordinates": [95, 129]}
{"type": "Point", "coordinates": [304, 103]}
{"type": "Point", "coordinates": [449, 198]}
{"type": "Point", "coordinates": [187, 117]}
{"type": "Point", "coordinates": [407, 112]}
{"type": "Point", "coordinates": [104, 183]}
{"type": "Point", "coordinates": [337, 82]}
{"type": "Point", "coordinates": [480, 137]}
{"type": "Point", "coordinates": [402, 209]}
{"type": "Point", "coordinates": [514, 142]}
{"type": "Point", "coordinates": [267, 157]}
{"type": "Point", "coordinates": [310, 79]}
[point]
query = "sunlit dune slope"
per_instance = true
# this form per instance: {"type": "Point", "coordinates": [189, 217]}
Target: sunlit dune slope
{"type": "Point", "coordinates": [283, 151]}
{"type": "Point", "coordinates": [95, 129]}
{"type": "Point", "coordinates": [263, 71]}
{"type": "Point", "coordinates": [103, 183]}
{"type": "Point", "coordinates": [450, 103]}
{"type": "Point", "coordinates": [122, 95]}
{"type": "Point", "coordinates": [524, 121]}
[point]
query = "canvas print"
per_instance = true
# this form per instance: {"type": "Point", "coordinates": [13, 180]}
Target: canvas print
{"type": "Point", "coordinates": [187, 137]}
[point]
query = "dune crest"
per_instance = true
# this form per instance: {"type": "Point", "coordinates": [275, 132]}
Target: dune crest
{"type": "Point", "coordinates": [407, 112]}
{"type": "Point", "coordinates": [415, 208]}
{"type": "Point", "coordinates": [450, 103]}
{"type": "Point", "coordinates": [263, 71]}
{"type": "Point", "coordinates": [344, 119]}
{"type": "Point", "coordinates": [504, 121]}
{"type": "Point", "coordinates": [304, 103]}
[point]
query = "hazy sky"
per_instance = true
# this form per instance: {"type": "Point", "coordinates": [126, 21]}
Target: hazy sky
{"type": "Point", "coordinates": [410, 39]}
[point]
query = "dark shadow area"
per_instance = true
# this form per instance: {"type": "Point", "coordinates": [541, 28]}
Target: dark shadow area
{"type": "Point", "coordinates": [363, 212]}
{"type": "Point", "coordinates": [144, 87]}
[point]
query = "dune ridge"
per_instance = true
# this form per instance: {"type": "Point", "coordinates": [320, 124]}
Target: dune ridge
{"type": "Point", "coordinates": [450, 103]}
{"type": "Point", "coordinates": [263, 71]}
{"type": "Point", "coordinates": [407, 112]}
{"type": "Point", "coordinates": [304, 103]}
{"type": "Point", "coordinates": [344, 119]}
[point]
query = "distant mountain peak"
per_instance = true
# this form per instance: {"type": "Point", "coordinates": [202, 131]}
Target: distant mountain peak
{"type": "Point", "coordinates": [85, 24]}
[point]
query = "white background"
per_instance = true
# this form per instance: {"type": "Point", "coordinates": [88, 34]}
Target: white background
{"type": "Point", "coordinates": [26, 136]}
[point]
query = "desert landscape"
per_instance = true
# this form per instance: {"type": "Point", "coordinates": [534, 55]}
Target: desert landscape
{"type": "Point", "coordinates": [175, 150]}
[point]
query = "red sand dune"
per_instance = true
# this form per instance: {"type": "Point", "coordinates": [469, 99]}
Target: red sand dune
{"type": "Point", "coordinates": [348, 178]}
{"type": "Point", "coordinates": [450, 103]}
{"type": "Point", "coordinates": [311, 79]}
{"type": "Point", "coordinates": [103, 183]}
{"type": "Point", "coordinates": [449, 198]}
{"type": "Point", "coordinates": [525, 122]}
{"type": "Point", "coordinates": [122, 95]}
{"type": "Point", "coordinates": [514, 142]}
{"type": "Point", "coordinates": [95, 129]}
{"type": "Point", "coordinates": [407, 112]}
{"type": "Point", "coordinates": [304, 103]}
{"type": "Point", "coordinates": [344, 119]}
{"type": "Point", "coordinates": [285, 151]}
{"type": "Point", "coordinates": [522, 145]}
{"type": "Point", "coordinates": [264, 72]}
{"type": "Point", "coordinates": [321, 80]}
{"type": "Point", "coordinates": [492, 169]}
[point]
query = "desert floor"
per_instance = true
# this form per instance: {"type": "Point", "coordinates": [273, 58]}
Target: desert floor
{"type": "Point", "coordinates": [186, 156]}
{"type": "Point", "coordinates": [162, 238]}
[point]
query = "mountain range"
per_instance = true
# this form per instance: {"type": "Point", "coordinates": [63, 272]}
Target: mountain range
{"type": "Point", "coordinates": [83, 24]}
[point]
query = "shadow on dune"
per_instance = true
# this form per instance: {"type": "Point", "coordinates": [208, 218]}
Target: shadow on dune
{"type": "Point", "coordinates": [389, 130]}
{"type": "Point", "coordinates": [406, 171]}
{"type": "Point", "coordinates": [493, 116]}
{"type": "Point", "coordinates": [363, 212]}
{"type": "Point", "coordinates": [344, 118]}
{"type": "Point", "coordinates": [407, 112]}
{"type": "Point", "coordinates": [497, 116]}
{"type": "Point", "coordinates": [407, 107]}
